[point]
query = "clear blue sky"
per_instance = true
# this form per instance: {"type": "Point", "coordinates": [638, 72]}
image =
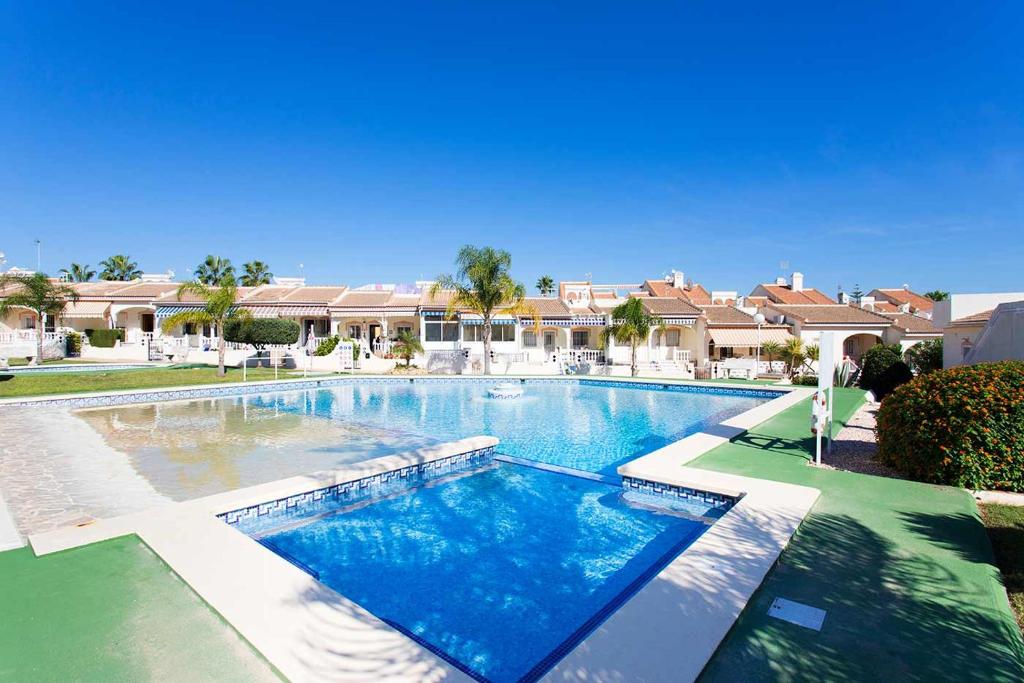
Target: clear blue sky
{"type": "Point", "coordinates": [863, 143]}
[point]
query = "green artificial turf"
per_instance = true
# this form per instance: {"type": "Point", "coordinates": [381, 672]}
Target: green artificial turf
{"type": "Point", "coordinates": [904, 570]}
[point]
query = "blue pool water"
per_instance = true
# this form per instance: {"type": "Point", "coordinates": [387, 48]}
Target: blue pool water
{"type": "Point", "coordinates": [502, 570]}
{"type": "Point", "coordinates": [594, 428]}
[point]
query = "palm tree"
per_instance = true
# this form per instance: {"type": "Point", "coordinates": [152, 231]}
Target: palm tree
{"type": "Point", "coordinates": [40, 295]}
{"type": "Point", "coordinates": [119, 267]}
{"type": "Point", "coordinates": [220, 306]}
{"type": "Point", "coordinates": [631, 324]}
{"type": "Point", "coordinates": [772, 349]}
{"type": "Point", "coordinates": [937, 295]}
{"type": "Point", "coordinates": [482, 284]}
{"type": "Point", "coordinates": [794, 354]}
{"type": "Point", "coordinates": [256, 273]}
{"type": "Point", "coordinates": [214, 269]}
{"type": "Point", "coordinates": [545, 285]}
{"type": "Point", "coordinates": [78, 273]}
{"type": "Point", "coordinates": [406, 346]}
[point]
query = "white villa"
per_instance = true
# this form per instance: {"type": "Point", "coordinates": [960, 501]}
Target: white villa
{"type": "Point", "coordinates": [702, 333]}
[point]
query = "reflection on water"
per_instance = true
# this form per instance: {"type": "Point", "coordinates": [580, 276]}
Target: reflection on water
{"type": "Point", "coordinates": [197, 448]}
{"type": "Point", "coordinates": [194, 448]}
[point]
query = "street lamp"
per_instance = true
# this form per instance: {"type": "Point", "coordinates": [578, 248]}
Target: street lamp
{"type": "Point", "coordinates": [759, 319]}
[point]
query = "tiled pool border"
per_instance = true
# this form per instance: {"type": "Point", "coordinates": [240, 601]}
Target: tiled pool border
{"type": "Point", "coordinates": [365, 488]}
{"type": "Point", "coordinates": [96, 400]}
{"type": "Point", "coordinates": [650, 487]}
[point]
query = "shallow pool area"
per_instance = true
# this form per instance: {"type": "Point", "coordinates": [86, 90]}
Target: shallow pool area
{"type": "Point", "coordinates": [501, 570]}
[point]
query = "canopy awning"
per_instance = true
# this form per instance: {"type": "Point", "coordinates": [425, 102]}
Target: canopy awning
{"type": "Point", "coordinates": [302, 312]}
{"type": "Point", "coordinates": [168, 311]}
{"type": "Point", "coordinates": [86, 309]}
{"type": "Point", "coordinates": [477, 319]}
{"type": "Point", "coordinates": [747, 336]}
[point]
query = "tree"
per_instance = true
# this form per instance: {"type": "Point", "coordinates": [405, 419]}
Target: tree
{"type": "Point", "coordinates": [119, 267]}
{"type": "Point", "coordinates": [937, 295]}
{"type": "Point", "coordinates": [883, 369]}
{"type": "Point", "coordinates": [261, 332]}
{"type": "Point", "coordinates": [406, 346]}
{"type": "Point", "coordinates": [925, 357]}
{"type": "Point", "coordinates": [545, 285]}
{"type": "Point", "coordinates": [256, 273]}
{"type": "Point", "coordinates": [219, 308]}
{"type": "Point", "coordinates": [771, 349]}
{"type": "Point", "coordinates": [214, 269]}
{"type": "Point", "coordinates": [631, 324]}
{"type": "Point", "coordinates": [78, 273]}
{"type": "Point", "coordinates": [482, 284]}
{"type": "Point", "coordinates": [40, 295]}
{"type": "Point", "coordinates": [856, 295]}
{"type": "Point", "coordinates": [794, 354]}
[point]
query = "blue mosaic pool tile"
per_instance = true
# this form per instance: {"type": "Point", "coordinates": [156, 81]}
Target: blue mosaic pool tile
{"type": "Point", "coordinates": [645, 487]}
{"type": "Point", "coordinates": [263, 516]}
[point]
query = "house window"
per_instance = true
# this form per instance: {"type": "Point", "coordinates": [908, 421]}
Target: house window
{"type": "Point", "coordinates": [580, 339]}
{"type": "Point", "coordinates": [529, 339]}
{"type": "Point", "coordinates": [549, 340]}
{"type": "Point", "coordinates": [50, 324]}
{"type": "Point", "coordinates": [499, 332]}
{"type": "Point", "coordinates": [404, 329]}
{"type": "Point", "coordinates": [321, 327]}
{"type": "Point", "coordinates": [441, 331]}
{"type": "Point", "coordinates": [355, 331]}
{"type": "Point", "coordinates": [672, 338]}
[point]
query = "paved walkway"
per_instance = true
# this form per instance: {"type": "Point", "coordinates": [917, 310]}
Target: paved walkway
{"type": "Point", "coordinates": [904, 570]}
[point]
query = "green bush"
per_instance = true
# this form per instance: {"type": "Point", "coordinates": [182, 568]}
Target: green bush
{"type": "Point", "coordinates": [925, 357]}
{"type": "Point", "coordinates": [72, 344]}
{"type": "Point", "coordinates": [883, 369]}
{"type": "Point", "coordinates": [105, 339]}
{"type": "Point", "coordinates": [261, 332]}
{"type": "Point", "coordinates": [806, 380]}
{"type": "Point", "coordinates": [327, 346]}
{"type": "Point", "coordinates": [963, 427]}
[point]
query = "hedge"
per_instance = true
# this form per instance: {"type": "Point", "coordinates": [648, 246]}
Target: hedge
{"type": "Point", "coordinates": [962, 427]}
{"type": "Point", "coordinates": [326, 346]}
{"type": "Point", "coordinates": [260, 332]}
{"type": "Point", "coordinates": [105, 338]}
{"type": "Point", "coordinates": [883, 369]}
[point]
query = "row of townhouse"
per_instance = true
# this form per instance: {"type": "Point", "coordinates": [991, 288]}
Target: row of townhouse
{"type": "Point", "coordinates": [699, 329]}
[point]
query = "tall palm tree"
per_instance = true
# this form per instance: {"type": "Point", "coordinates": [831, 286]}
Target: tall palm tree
{"type": "Point", "coordinates": [937, 295]}
{"type": "Point", "coordinates": [213, 269]}
{"type": "Point", "coordinates": [631, 324]}
{"type": "Point", "coordinates": [219, 307]}
{"type": "Point", "coordinates": [545, 285]}
{"type": "Point", "coordinates": [406, 346]}
{"type": "Point", "coordinates": [256, 273]}
{"type": "Point", "coordinates": [78, 273]}
{"type": "Point", "coordinates": [39, 294]}
{"type": "Point", "coordinates": [795, 354]}
{"type": "Point", "coordinates": [119, 267]}
{"type": "Point", "coordinates": [482, 284]}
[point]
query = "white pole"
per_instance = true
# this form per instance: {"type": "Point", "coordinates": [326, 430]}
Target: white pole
{"type": "Point", "coordinates": [757, 354]}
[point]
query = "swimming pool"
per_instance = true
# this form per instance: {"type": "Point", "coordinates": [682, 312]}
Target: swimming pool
{"type": "Point", "coordinates": [501, 570]}
{"type": "Point", "coordinates": [76, 367]}
{"type": "Point", "coordinates": [187, 449]}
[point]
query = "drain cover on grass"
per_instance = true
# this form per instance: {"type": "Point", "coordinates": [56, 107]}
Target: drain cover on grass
{"type": "Point", "coordinates": [797, 613]}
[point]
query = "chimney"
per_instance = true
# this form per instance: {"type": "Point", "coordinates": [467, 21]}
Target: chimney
{"type": "Point", "coordinates": [678, 279]}
{"type": "Point", "coordinates": [780, 281]}
{"type": "Point", "coordinates": [798, 282]}
{"type": "Point", "coordinates": [843, 297]}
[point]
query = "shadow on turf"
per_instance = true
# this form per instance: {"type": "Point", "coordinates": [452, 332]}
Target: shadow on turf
{"type": "Point", "coordinates": [892, 615]}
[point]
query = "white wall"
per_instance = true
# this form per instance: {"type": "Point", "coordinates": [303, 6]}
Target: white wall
{"type": "Point", "coordinates": [962, 305]}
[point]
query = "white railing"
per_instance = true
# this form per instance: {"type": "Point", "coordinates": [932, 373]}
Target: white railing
{"type": "Point", "coordinates": [681, 355]}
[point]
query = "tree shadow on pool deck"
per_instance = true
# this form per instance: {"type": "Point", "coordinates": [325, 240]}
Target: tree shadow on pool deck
{"type": "Point", "coordinates": [892, 614]}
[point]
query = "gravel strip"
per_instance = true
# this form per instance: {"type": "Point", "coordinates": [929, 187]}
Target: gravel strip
{"type": "Point", "coordinates": [853, 449]}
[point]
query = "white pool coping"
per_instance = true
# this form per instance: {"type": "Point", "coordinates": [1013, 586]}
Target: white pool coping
{"type": "Point", "coordinates": [667, 631]}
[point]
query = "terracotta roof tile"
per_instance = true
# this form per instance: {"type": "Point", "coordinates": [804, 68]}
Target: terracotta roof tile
{"type": "Point", "coordinates": [913, 324]}
{"type": "Point", "coordinates": [974, 319]}
{"type": "Point", "coordinates": [905, 296]}
{"type": "Point", "coordinates": [549, 307]}
{"type": "Point", "coordinates": [669, 306]}
{"type": "Point", "coordinates": [784, 295]}
{"type": "Point", "coordinates": [841, 314]}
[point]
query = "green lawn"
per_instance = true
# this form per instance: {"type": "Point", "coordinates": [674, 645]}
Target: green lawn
{"type": "Point", "coordinates": [1005, 525]}
{"type": "Point", "coordinates": [904, 570]}
{"type": "Point", "coordinates": [112, 611]}
{"type": "Point", "coordinates": [12, 385]}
